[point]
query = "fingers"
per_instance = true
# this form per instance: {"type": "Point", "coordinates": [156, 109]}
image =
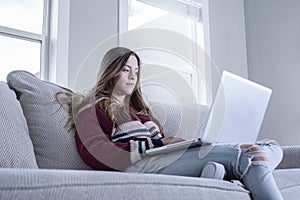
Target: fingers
{"type": "Point", "coordinates": [171, 140]}
{"type": "Point", "coordinates": [178, 140]}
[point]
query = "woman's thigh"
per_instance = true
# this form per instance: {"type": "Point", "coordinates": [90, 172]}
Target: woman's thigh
{"type": "Point", "coordinates": [191, 161]}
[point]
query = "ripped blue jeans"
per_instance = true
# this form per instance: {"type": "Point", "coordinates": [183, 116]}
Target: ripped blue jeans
{"type": "Point", "coordinates": [251, 164]}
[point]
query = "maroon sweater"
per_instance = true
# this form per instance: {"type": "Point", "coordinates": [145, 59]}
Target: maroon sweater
{"type": "Point", "coordinates": [103, 147]}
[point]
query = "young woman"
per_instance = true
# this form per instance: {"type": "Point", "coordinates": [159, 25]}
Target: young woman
{"type": "Point", "coordinates": [114, 127]}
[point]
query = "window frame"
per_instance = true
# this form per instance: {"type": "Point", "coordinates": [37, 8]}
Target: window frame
{"type": "Point", "coordinates": [42, 38]}
{"type": "Point", "coordinates": [183, 8]}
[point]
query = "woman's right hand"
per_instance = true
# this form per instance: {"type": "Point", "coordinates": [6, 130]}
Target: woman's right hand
{"type": "Point", "coordinates": [171, 140]}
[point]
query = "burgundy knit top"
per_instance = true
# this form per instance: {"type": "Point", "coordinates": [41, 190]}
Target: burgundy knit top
{"type": "Point", "coordinates": [104, 147]}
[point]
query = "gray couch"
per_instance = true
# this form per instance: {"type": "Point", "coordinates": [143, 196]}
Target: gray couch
{"type": "Point", "coordinates": [38, 158]}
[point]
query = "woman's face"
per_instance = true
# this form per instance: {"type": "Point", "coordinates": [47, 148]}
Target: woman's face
{"type": "Point", "coordinates": [127, 78]}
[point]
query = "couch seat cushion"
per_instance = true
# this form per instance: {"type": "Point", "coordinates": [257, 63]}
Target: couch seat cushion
{"type": "Point", "coordinates": [288, 181]}
{"type": "Point", "coordinates": [70, 184]}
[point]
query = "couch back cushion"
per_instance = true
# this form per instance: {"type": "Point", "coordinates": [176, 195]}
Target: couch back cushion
{"type": "Point", "coordinates": [54, 147]}
{"type": "Point", "coordinates": [181, 120]}
{"type": "Point", "coordinates": [16, 150]}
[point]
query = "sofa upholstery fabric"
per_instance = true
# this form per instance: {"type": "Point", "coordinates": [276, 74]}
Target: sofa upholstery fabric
{"type": "Point", "coordinates": [54, 146]}
{"type": "Point", "coordinates": [181, 120]}
{"type": "Point", "coordinates": [288, 182]}
{"type": "Point", "coordinates": [291, 158]}
{"type": "Point", "coordinates": [86, 185]}
{"type": "Point", "coordinates": [16, 150]}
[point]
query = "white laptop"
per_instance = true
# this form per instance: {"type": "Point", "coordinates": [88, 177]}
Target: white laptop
{"type": "Point", "coordinates": [236, 115]}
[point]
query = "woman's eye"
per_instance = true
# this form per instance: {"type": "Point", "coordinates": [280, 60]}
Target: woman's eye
{"type": "Point", "coordinates": [125, 70]}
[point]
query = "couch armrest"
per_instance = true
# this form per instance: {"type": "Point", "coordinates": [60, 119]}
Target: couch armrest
{"type": "Point", "coordinates": [291, 157]}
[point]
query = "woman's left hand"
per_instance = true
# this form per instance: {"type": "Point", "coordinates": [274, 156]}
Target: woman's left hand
{"type": "Point", "coordinates": [171, 140]}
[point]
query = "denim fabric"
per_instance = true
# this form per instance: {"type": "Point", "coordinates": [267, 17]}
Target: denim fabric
{"type": "Point", "coordinates": [256, 175]}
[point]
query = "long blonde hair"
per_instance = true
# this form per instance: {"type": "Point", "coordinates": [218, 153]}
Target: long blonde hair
{"type": "Point", "coordinates": [100, 95]}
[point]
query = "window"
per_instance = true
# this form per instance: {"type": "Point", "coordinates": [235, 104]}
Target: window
{"type": "Point", "coordinates": [181, 16]}
{"type": "Point", "coordinates": [23, 36]}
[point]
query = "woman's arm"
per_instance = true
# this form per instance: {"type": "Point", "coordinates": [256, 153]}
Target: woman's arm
{"type": "Point", "coordinates": [96, 148]}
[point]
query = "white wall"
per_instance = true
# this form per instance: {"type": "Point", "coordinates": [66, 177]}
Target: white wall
{"type": "Point", "coordinates": [91, 22]}
{"type": "Point", "coordinates": [76, 28]}
{"type": "Point", "coordinates": [273, 46]}
{"type": "Point", "coordinates": [227, 35]}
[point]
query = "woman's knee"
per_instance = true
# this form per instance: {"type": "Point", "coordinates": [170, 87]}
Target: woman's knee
{"type": "Point", "coordinates": [256, 152]}
{"type": "Point", "coordinates": [267, 142]}
{"type": "Point", "coordinates": [273, 151]}
{"type": "Point", "coordinates": [264, 150]}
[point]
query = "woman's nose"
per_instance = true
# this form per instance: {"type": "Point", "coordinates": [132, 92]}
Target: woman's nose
{"type": "Point", "coordinates": [131, 75]}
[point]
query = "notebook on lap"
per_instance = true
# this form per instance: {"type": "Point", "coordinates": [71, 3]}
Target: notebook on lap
{"type": "Point", "coordinates": [235, 116]}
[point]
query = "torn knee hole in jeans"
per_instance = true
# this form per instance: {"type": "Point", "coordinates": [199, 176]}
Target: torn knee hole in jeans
{"type": "Point", "coordinates": [256, 155]}
{"type": "Point", "coordinates": [256, 152]}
